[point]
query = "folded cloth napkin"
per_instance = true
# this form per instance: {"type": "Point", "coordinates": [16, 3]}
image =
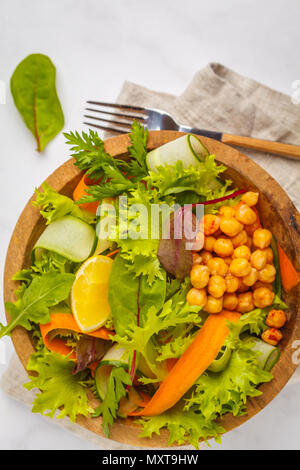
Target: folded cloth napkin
{"type": "Point", "coordinates": [216, 99]}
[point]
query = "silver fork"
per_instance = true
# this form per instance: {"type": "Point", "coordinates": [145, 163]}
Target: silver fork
{"type": "Point", "coordinates": [155, 119]}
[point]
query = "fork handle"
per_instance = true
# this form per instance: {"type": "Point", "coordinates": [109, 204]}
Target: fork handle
{"type": "Point", "coordinates": [287, 150]}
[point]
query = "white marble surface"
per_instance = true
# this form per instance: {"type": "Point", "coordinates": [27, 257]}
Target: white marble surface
{"type": "Point", "coordinates": [160, 44]}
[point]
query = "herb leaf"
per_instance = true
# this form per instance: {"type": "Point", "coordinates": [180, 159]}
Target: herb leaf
{"type": "Point", "coordinates": [116, 389]}
{"type": "Point", "coordinates": [60, 389]}
{"type": "Point", "coordinates": [44, 291]}
{"type": "Point", "coordinates": [34, 93]}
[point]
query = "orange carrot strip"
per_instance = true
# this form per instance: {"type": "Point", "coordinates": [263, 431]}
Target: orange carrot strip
{"type": "Point", "coordinates": [289, 275]}
{"type": "Point", "coordinates": [80, 191]}
{"type": "Point", "coordinates": [171, 363]}
{"type": "Point", "coordinates": [66, 321]}
{"type": "Point", "coordinates": [145, 399]}
{"type": "Point", "coordinates": [196, 359]}
{"type": "Point", "coordinates": [113, 253]}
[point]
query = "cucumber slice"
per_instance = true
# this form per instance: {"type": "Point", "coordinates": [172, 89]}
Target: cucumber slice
{"type": "Point", "coordinates": [221, 361]}
{"type": "Point", "coordinates": [269, 354]}
{"type": "Point", "coordinates": [188, 148]}
{"type": "Point", "coordinates": [70, 237]}
{"type": "Point", "coordinates": [102, 212]}
{"type": "Point", "coordinates": [115, 357]}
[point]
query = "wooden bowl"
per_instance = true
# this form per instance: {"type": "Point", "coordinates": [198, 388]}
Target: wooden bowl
{"type": "Point", "coordinates": [277, 213]}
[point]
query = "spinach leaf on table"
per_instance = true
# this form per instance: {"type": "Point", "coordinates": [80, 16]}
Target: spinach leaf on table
{"type": "Point", "coordinates": [129, 295]}
{"type": "Point", "coordinates": [34, 93]}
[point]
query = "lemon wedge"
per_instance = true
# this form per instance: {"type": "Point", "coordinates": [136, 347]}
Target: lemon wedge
{"type": "Point", "coordinates": [89, 295]}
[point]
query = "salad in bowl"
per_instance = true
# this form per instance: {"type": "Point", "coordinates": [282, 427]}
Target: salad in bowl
{"type": "Point", "coordinates": [154, 294]}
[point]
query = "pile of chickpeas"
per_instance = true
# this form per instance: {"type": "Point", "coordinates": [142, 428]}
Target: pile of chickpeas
{"type": "Point", "coordinates": [235, 270]}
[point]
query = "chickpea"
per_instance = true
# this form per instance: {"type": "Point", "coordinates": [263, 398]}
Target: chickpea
{"type": "Point", "coordinates": [223, 247]}
{"type": "Point", "coordinates": [270, 255]}
{"type": "Point", "coordinates": [245, 215]}
{"type": "Point", "coordinates": [217, 266]}
{"type": "Point", "coordinates": [197, 297]}
{"type": "Point", "coordinates": [267, 274]}
{"type": "Point", "coordinates": [232, 283]}
{"type": "Point", "coordinates": [206, 256]}
{"type": "Point", "coordinates": [240, 267]}
{"type": "Point", "coordinates": [262, 238]}
{"type": "Point", "coordinates": [242, 252]}
{"type": "Point", "coordinates": [245, 302]}
{"type": "Point", "coordinates": [218, 233]}
{"type": "Point", "coordinates": [258, 259]}
{"type": "Point", "coordinates": [251, 279]}
{"type": "Point", "coordinates": [199, 276]}
{"type": "Point", "coordinates": [276, 318]}
{"type": "Point", "coordinates": [227, 260]}
{"type": "Point", "coordinates": [209, 243]}
{"type": "Point", "coordinates": [213, 305]}
{"type": "Point", "coordinates": [240, 239]}
{"type": "Point", "coordinates": [197, 259]}
{"type": "Point", "coordinates": [199, 241]}
{"type": "Point", "coordinates": [250, 229]}
{"type": "Point", "coordinates": [249, 242]}
{"type": "Point", "coordinates": [263, 297]}
{"type": "Point", "coordinates": [230, 226]}
{"type": "Point", "coordinates": [227, 211]}
{"type": "Point", "coordinates": [211, 224]}
{"type": "Point", "coordinates": [216, 286]}
{"type": "Point", "coordinates": [242, 288]}
{"type": "Point", "coordinates": [230, 301]}
{"type": "Point", "coordinates": [272, 336]}
{"type": "Point", "coordinates": [263, 284]}
{"type": "Point", "coordinates": [250, 198]}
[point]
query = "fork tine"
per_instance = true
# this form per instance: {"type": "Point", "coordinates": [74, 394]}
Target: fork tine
{"type": "Point", "coordinates": [130, 116]}
{"type": "Point", "coordinates": [124, 124]}
{"type": "Point", "coordinates": [105, 128]}
{"type": "Point", "coordinates": [116, 105]}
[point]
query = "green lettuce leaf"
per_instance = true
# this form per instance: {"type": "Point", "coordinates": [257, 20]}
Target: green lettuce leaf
{"type": "Point", "coordinates": [203, 181]}
{"type": "Point", "coordinates": [176, 347]}
{"type": "Point", "coordinates": [60, 390]}
{"type": "Point", "coordinates": [116, 389]}
{"type": "Point", "coordinates": [33, 306]}
{"type": "Point", "coordinates": [184, 426]}
{"type": "Point", "coordinates": [141, 338]}
{"type": "Point", "coordinates": [53, 205]}
{"type": "Point", "coordinates": [227, 391]}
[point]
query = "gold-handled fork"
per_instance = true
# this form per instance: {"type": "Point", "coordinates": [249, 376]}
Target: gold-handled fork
{"type": "Point", "coordinates": [155, 119]}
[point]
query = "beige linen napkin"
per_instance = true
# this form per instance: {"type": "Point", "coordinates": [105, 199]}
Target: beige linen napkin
{"type": "Point", "coordinates": [216, 99]}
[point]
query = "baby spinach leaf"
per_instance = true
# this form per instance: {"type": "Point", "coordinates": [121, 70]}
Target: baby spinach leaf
{"type": "Point", "coordinates": [34, 93]}
{"type": "Point", "coordinates": [129, 295]}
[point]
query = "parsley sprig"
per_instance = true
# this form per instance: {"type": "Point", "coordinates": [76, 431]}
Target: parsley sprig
{"type": "Point", "coordinates": [90, 156]}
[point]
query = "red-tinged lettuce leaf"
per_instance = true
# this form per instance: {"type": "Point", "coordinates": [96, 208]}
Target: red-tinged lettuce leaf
{"type": "Point", "coordinates": [175, 252]}
{"type": "Point", "coordinates": [88, 350]}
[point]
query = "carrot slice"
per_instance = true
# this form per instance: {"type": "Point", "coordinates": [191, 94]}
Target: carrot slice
{"type": "Point", "coordinates": [81, 190]}
{"type": "Point", "coordinates": [289, 275]}
{"type": "Point", "coordinates": [66, 321]}
{"type": "Point", "coordinates": [196, 359]}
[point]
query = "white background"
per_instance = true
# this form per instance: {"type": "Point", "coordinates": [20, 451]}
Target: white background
{"type": "Point", "coordinates": [96, 45]}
